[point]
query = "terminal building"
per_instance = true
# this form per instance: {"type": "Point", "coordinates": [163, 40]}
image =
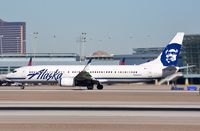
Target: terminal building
{"type": "Point", "coordinates": [191, 56]}
{"type": "Point", "coordinates": [191, 53]}
{"type": "Point", "coordinates": [12, 37]}
{"type": "Point", "coordinates": [140, 55]}
{"type": "Point", "coordinates": [9, 62]}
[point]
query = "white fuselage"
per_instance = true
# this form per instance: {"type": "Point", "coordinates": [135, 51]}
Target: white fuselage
{"type": "Point", "coordinates": [68, 75]}
{"type": "Point", "coordinates": [102, 73]}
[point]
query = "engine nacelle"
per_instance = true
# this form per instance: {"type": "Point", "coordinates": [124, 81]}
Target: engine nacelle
{"type": "Point", "coordinates": [67, 81]}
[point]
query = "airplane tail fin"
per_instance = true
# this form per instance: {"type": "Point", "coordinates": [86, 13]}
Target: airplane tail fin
{"type": "Point", "coordinates": [169, 55]}
{"type": "Point", "coordinates": [122, 61]}
{"type": "Point", "coordinates": [30, 62]}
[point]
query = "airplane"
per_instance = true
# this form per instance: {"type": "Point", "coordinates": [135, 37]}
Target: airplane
{"type": "Point", "coordinates": [122, 61]}
{"type": "Point", "coordinates": [30, 62]}
{"type": "Point", "coordinates": [4, 81]}
{"type": "Point", "coordinates": [90, 75]}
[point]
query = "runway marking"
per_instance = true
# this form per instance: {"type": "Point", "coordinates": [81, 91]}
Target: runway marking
{"type": "Point", "coordinates": [95, 103]}
{"type": "Point", "coordinates": [121, 91]}
{"type": "Point", "coordinates": [103, 113]}
{"type": "Point", "coordinates": [99, 106]}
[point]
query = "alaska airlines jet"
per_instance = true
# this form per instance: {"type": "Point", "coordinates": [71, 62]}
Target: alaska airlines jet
{"type": "Point", "coordinates": [90, 75]}
{"type": "Point", "coordinates": [122, 61]}
{"type": "Point", "coordinates": [3, 79]}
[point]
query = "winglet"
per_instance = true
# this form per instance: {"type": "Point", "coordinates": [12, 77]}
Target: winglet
{"type": "Point", "coordinates": [88, 63]}
{"type": "Point", "coordinates": [90, 60]}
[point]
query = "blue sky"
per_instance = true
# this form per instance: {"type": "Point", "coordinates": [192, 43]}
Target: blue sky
{"type": "Point", "coordinates": [115, 26]}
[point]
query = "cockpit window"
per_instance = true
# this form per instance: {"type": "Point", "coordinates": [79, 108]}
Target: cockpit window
{"type": "Point", "coordinates": [14, 71]}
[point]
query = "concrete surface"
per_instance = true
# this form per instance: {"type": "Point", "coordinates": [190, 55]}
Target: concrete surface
{"type": "Point", "coordinates": [94, 120]}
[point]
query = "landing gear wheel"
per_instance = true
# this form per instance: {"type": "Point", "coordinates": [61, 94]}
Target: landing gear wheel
{"type": "Point", "coordinates": [99, 86]}
{"type": "Point", "coordinates": [22, 87]}
{"type": "Point", "coordinates": [91, 87]}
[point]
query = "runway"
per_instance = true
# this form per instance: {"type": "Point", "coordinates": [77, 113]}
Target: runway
{"type": "Point", "coordinates": [115, 93]}
{"type": "Point", "coordinates": [118, 107]}
{"type": "Point", "coordinates": [80, 115]}
{"type": "Point", "coordinates": [100, 106]}
{"type": "Point", "coordinates": [99, 120]}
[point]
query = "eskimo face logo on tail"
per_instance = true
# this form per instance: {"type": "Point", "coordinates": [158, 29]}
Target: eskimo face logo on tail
{"type": "Point", "coordinates": [170, 54]}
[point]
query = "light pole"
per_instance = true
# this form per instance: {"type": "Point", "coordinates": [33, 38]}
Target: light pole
{"type": "Point", "coordinates": [1, 37]}
{"type": "Point", "coordinates": [34, 36]}
{"type": "Point", "coordinates": [82, 43]}
{"type": "Point", "coordinates": [54, 43]}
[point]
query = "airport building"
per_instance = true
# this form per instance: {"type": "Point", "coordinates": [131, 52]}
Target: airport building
{"type": "Point", "coordinates": [191, 52]}
{"type": "Point", "coordinates": [140, 55]}
{"type": "Point", "coordinates": [12, 37]}
{"type": "Point", "coordinates": [191, 57]}
{"type": "Point", "coordinates": [9, 62]}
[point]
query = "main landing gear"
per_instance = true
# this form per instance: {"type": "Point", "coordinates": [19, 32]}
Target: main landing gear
{"type": "Point", "coordinates": [22, 86]}
{"type": "Point", "coordinates": [99, 86]}
{"type": "Point", "coordinates": [91, 87]}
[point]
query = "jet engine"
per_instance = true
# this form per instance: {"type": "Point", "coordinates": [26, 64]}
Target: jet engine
{"type": "Point", "coordinates": [67, 81]}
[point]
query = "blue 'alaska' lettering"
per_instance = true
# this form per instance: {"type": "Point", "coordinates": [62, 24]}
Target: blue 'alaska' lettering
{"type": "Point", "coordinates": [44, 74]}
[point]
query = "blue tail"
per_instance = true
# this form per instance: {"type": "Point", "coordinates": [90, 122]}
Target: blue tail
{"type": "Point", "coordinates": [169, 56]}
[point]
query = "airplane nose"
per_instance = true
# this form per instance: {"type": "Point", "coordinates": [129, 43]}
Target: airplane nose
{"type": "Point", "coordinates": [9, 75]}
